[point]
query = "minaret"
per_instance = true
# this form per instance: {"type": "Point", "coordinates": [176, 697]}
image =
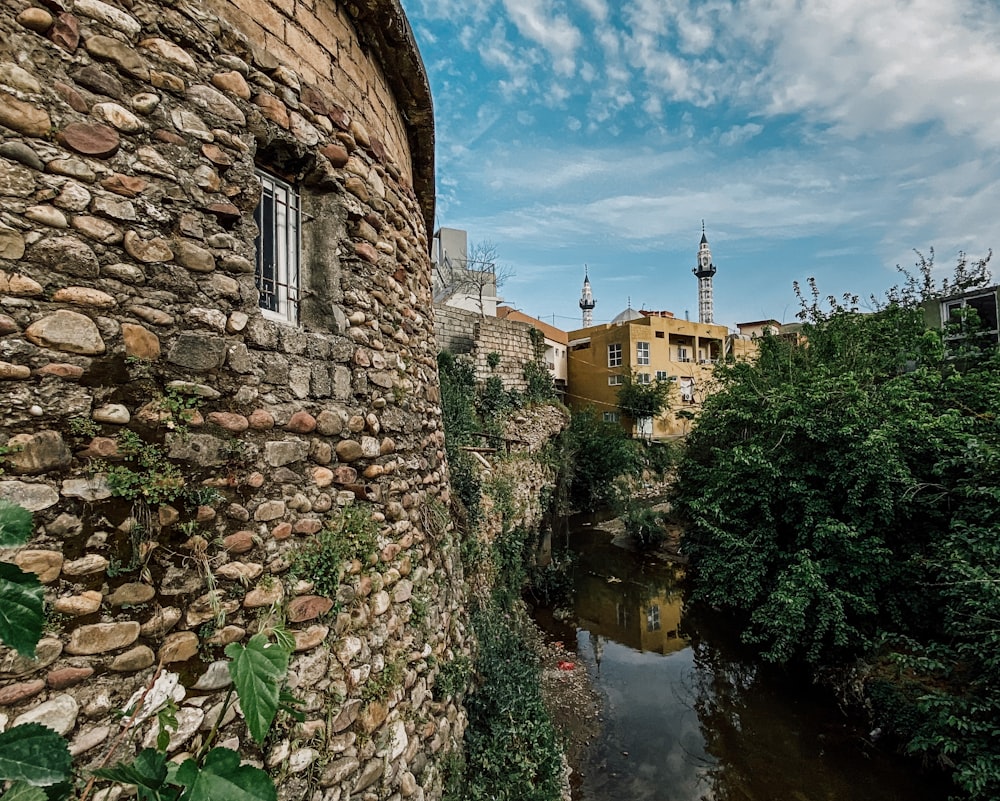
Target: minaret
{"type": "Point", "coordinates": [587, 301]}
{"type": "Point", "coordinates": [704, 272]}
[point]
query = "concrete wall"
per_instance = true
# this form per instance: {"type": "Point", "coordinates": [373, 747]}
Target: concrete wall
{"type": "Point", "coordinates": [129, 134]}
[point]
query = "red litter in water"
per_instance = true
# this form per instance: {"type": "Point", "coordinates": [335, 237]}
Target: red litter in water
{"type": "Point", "coordinates": [566, 666]}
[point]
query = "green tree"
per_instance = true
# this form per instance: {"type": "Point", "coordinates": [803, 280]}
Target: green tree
{"type": "Point", "coordinates": [841, 499]}
{"type": "Point", "coordinates": [599, 453]}
{"type": "Point", "coordinates": [639, 401]}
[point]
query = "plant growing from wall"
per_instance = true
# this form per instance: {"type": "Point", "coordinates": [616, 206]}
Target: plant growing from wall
{"type": "Point", "coordinates": [321, 559]}
{"type": "Point", "coordinates": [35, 761]}
{"type": "Point", "coordinates": [540, 388]}
{"type": "Point", "coordinates": [146, 474]}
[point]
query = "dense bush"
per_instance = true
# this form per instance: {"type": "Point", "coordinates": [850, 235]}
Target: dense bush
{"type": "Point", "coordinates": [842, 501]}
{"type": "Point", "coordinates": [598, 453]}
{"type": "Point", "coordinates": [512, 752]}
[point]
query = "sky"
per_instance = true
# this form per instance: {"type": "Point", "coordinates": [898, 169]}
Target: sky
{"type": "Point", "coordinates": [815, 138]}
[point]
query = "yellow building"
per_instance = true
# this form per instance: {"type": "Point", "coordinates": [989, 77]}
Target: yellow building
{"type": "Point", "coordinates": [650, 346]}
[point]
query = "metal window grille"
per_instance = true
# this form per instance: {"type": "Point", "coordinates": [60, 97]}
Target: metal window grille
{"type": "Point", "coordinates": [278, 217]}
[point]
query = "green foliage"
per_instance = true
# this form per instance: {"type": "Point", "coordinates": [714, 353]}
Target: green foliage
{"type": "Point", "coordinates": [637, 400]}
{"type": "Point", "coordinates": [537, 342]}
{"type": "Point", "coordinates": [257, 670]}
{"type": "Point", "coordinates": [145, 475]}
{"type": "Point", "coordinates": [22, 614]}
{"type": "Point", "coordinates": [493, 360]}
{"type": "Point", "coordinates": [599, 453]}
{"type": "Point", "coordinates": [33, 754]}
{"type": "Point", "coordinates": [458, 400]}
{"type": "Point", "coordinates": [644, 525]}
{"type": "Point", "coordinates": [540, 388]}
{"type": "Point", "coordinates": [219, 777]}
{"type": "Point", "coordinates": [552, 583]}
{"type": "Point", "coordinates": [80, 426]}
{"type": "Point", "coordinates": [22, 791]}
{"type": "Point", "coordinates": [494, 404]}
{"type": "Point", "coordinates": [351, 533]}
{"type": "Point", "coordinates": [842, 499]}
{"type": "Point", "coordinates": [222, 776]}
{"type": "Point", "coordinates": [15, 524]}
{"type": "Point", "coordinates": [453, 678]}
{"type": "Point", "coordinates": [179, 406]}
{"type": "Point", "coordinates": [660, 457]}
{"type": "Point", "coordinates": [512, 752]}
{"type": "Point", "coordinates": [458, 407]}
{"type": "Point", "coordinates": [380, 685]}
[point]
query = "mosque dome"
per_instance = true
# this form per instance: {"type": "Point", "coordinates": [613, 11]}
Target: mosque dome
{"type": "Point", "coordinates": [626, 316]}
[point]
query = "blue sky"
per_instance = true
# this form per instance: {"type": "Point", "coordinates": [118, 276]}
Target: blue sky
{"type": "Point", "coordinates": [824, 138]}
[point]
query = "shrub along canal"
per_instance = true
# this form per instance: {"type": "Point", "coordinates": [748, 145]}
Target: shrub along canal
{"type": "Point", "coordinates": [690, 715]}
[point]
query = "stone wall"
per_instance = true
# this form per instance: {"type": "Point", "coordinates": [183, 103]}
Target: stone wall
{"type": "Point", "coordinates": [176, 447]}
{"type": "Point", "coordinates": [460, 331]}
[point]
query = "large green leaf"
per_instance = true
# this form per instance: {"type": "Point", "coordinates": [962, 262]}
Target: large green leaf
{"type": "Point", "coordinates": [15, 524]}
{"type": "Point", "coordinates": [223, 778]}
{"type": "Point", "coordinates": [22, 791]}
{"type": "Point", "coordinates": [35, 754]}
{"type": "Point", "coordinates": [258, 671]}
{"type": "Point", "coordinates": [21, 611]}
{"type": "Point", "coordinates": [148, 773]}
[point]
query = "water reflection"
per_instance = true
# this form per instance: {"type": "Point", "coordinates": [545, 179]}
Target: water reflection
{"type": "Point", "coordinates": [690, 717]}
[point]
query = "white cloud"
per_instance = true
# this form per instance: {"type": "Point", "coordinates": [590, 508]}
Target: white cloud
{"type": "Point", "coordinates": [537, 22]}
{"type": "Point", "coordinates": [598, 9]}
{"type": "Point", "coordinates": [739, 134]}
{"type": "Point", "coordinates": [864, 66]}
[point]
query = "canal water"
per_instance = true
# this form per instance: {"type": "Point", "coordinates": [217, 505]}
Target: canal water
{"type": "Point", "coordinates": [689, 715]}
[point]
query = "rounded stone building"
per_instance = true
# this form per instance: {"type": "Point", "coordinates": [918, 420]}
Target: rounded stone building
{"type": "Point", "coordinates": [215, 338]}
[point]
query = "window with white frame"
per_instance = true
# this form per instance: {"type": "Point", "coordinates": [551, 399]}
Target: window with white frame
{"type": "Point", "coordinates": [278, 217]}
{"type": "Point", "coordinates": [615, 380]}
{"type": "Point", "coordinates": [611, 417]}
{"type": "Point", "coordinates": [615, 355]}
{"type": "Point", "coordinates": [956, 312]}
{"type": "Point", "coordinates": [683, 354]}
{"type": "Point", "coordinates": [642, 378]}
{"type": "Point", "coordinates": [653, 618]}
{"type": "Point", "coordinates": [661, 375]}
{"type": "Point", "coordinates": [642, 353]}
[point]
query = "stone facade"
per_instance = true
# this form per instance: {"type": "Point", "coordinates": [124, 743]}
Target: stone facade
{"type": "Point", "coordinates": [176, 446]}
{"type": "Point", "coordinates": [460, 331]}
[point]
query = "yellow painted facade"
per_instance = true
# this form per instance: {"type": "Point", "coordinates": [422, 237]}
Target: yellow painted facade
{"type": "Point", "coordinates": [658, 346]}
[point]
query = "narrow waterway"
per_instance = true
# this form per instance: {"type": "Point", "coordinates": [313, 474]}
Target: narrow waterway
{"type": "Point", "coordinates": [689, 715]}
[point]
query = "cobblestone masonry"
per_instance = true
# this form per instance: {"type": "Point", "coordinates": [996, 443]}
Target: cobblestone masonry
{"type": "Point", "coordinates": [129, 133]}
